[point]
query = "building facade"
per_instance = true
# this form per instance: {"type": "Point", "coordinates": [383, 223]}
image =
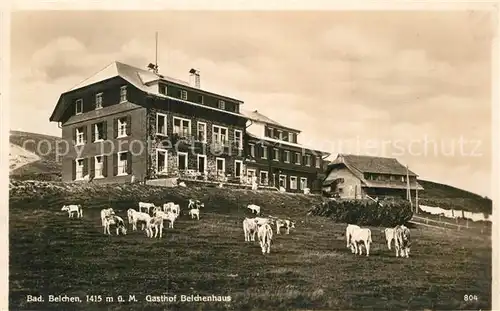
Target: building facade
{"type": "Point", "coordinates": [356, 177]}
{"type": "Point", "coordinates": [276, 159]}
{"type": "Point", "coordinates": [127, 123]}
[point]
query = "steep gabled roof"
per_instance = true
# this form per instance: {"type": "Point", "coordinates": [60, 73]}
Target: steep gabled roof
{"type": "Point", "coordinates": [368, 164]}
{"type": "Point", "coordinates": [259, 117]}
{"type": "Point", "coordinates": [139, 78]}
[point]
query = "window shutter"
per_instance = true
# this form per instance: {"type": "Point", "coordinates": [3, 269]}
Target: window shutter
{"type": "Point", "coordinates": [129, 162]}
{"type": "Point", "coordinates": [104, 130]}
{"type": "Point", "coordinates": [85, 166]}
{"type": "Point", "coordinates": [115, 128]}
{"type": "Point", "coordinates": [115, 164]}
{"type": "Point", "coordinates": [105, 166]}
{"type": "Point", "coordinates": [92, 131]}
{"type": "Point", "coordinates": [92, 167]}
{"type": "Point", "coordinates": [74, 135]}
{"type": "Point", "coordinates": [84, 134]}
{"type": "Point", "coordinates": [129, 124]}
{"type": "Point", "coordinates": [73, 172]}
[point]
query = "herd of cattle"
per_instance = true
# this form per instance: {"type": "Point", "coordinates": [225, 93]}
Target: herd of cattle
{"type": "Point", "coordinates": [357, 238]}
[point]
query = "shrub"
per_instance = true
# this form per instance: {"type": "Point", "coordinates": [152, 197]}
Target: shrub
{"type": "Point", "coordinates": [388, 212]}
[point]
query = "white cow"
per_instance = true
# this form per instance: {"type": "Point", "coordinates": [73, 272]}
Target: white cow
{"type": "Point", "coordinates": [106, 212]}
{"type": "Point", "coordinates": [361, 237]}
{"type": "Point", "coordinates": [144, 218]}
{"type": "Point", "coordinates": [284, 223]}
{"type": "Point", "coordinates": [117, 221]}
{"type": "Point", "coordinates": [194, 213]}
{"type": "Point", "coordinates": [348, 233]}
{"type": "Point", "coordinates": [169, 216]}
{"type": "Point", "coordinates": [250, 229]}
{"type": "Point", "coordinates": [254, 208]}
{"type": "Point", "coordinates": [145, 206]}
{"type": "Point", "coordinates": [130, 215]}
{"type": "Point", "coordinates": [172, 208]}
{"type": "Point", "coordinates": [265, 235]}
{"type": "Point", "coordinates": [402, 241]}
{"type": "Point", "coordinates": [156, 223]}
{"type": "Point", "coordinates": [73, 208]}
{"type": "Point", "coordinates": [389, 236]}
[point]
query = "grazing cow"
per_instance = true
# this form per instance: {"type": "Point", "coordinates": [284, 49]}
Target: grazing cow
{"type": "Point", "coordinates": [265, 235]}
{"type": "Point", "coordinates": [250, 229]}
{"type": "Point", "coordinates": [254, 208]}
{"type": "Point", "coordinates": [145, 206]}
{"type": "Point", "coordinates": [106, 212]}
{"type": "Point", "coordinates": [361, 237]}
{"type": "Point", "coordinates": [117, 221]}
{"type": "Point", "coordinates": [156, 223]}
{"type": "Point", "coordinates": [144, 218]}
{"type": "Point", "coordinates": [348, 234]}
{"type": "Point", "coordinates": [402, 241]}
{"type": "Point", "coordinates": [172, 208]}
{"type": "Point", "coordinates": [195, 213]}
{"type": "Point", "coordinates": [171, 217]}
{"type": "Point", "coordinates": [389, 236]}
{"type": "Point", "coordinates": [73, 209]}
{"type": "Point", "coordinates": [284, 223]}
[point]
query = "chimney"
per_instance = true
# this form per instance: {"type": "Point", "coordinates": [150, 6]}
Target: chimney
{"type": "Point", "coordinates": [194, 77]}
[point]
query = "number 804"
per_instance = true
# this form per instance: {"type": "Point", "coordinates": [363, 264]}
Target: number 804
{"type": "Point", "coordinates": [470, 298]}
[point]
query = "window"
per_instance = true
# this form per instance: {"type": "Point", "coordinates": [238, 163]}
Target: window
{"type": "Point", "coordinates": [252, 150]}
{"type": "Point", "coordinates": [79, 168]}
{"type": "Point", "coordinates": [122, 127]}
{"type": "Point", "coordinates": [202, 132]}
{"type": "Point", "coordinates": [264, 152]}
{"type": "Point", "coordinates": [98, 101]}
{"type": "Point", "coordinates": [392, 177]}
{"type": "Point", "coordinates": [250, 175]}
{"type": "Point", "coordinates": [290, 137]}
{"type": "Point", "coordinates": [287, 156]}
{"type": "Point", "coordinates": [200, 99]}
{"type": "Point", "coordinates": [161, 160]}
{"type": "Point", "coordinates": [98, 132]}
{"type": "Point", "coordinates": [161, 124]}
{"type": "Point", "coordinates": [162, 88]}
{"type": "Point", "coordinates": [182, 127]}
{"type": "Point", "coordinates": [318, 162]}
{"type": "Point", "coordinates": [122, 163]}
{"type": "Point", "coordinates": [182, 161]}
{"type": "Point", "coordinates": [202, 163]}
{"type": "Point", "coordinates": [222, 105]}
{"type": "Point", "coordinates": [219, 134]}
{"type": "Point", "coordinates": [184, 95]}
{"type": "Point", "coordinates": [303, 183]}
{"type": "Point", "coordinates": [308, 159]}
{"type": "Point", "coordinates": [297, 158]}
{"type": "Point", "coordinates": [79, 106]}
{"type": "Point", "coordinates": [271, 132]}
{"type": "Point", "coordinates": [238, 137]}
{"type": "Point", "coordinates": [98, 166]}
{"type": "Point", "coordinates": [238, 168]}
{"type": "Point", "coordinates": [282, 181]}
{"type": "Point", "coordinates": [123, 94]}
{"type": "Point", "coordinates": [276, 154]}
{"type": "Point", "coordinates": [263, 178]}
{"type": "Point", "coordinates": [293, 182]}
{"type": "Point", "coordinates": [280, 135]}
{"type": "Point", "coordinates": [220, 166]}
{"type": "Point", "coordinates": [403, 179]}
{"type": "Point", "coordinates": [80, 135]}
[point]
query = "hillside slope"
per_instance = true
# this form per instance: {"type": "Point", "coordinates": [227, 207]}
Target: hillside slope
{"type": "Point", "coordinates": [47, 168]}
{"type": "Point", "coordinates": [43, 146]}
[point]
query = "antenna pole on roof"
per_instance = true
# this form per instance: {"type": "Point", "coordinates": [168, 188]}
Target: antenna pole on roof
{"type": "Point", "coordinates": [156, 53]}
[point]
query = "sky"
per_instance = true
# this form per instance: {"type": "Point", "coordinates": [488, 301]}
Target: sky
{"type": "Point", "coordinates": [414, 85]}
